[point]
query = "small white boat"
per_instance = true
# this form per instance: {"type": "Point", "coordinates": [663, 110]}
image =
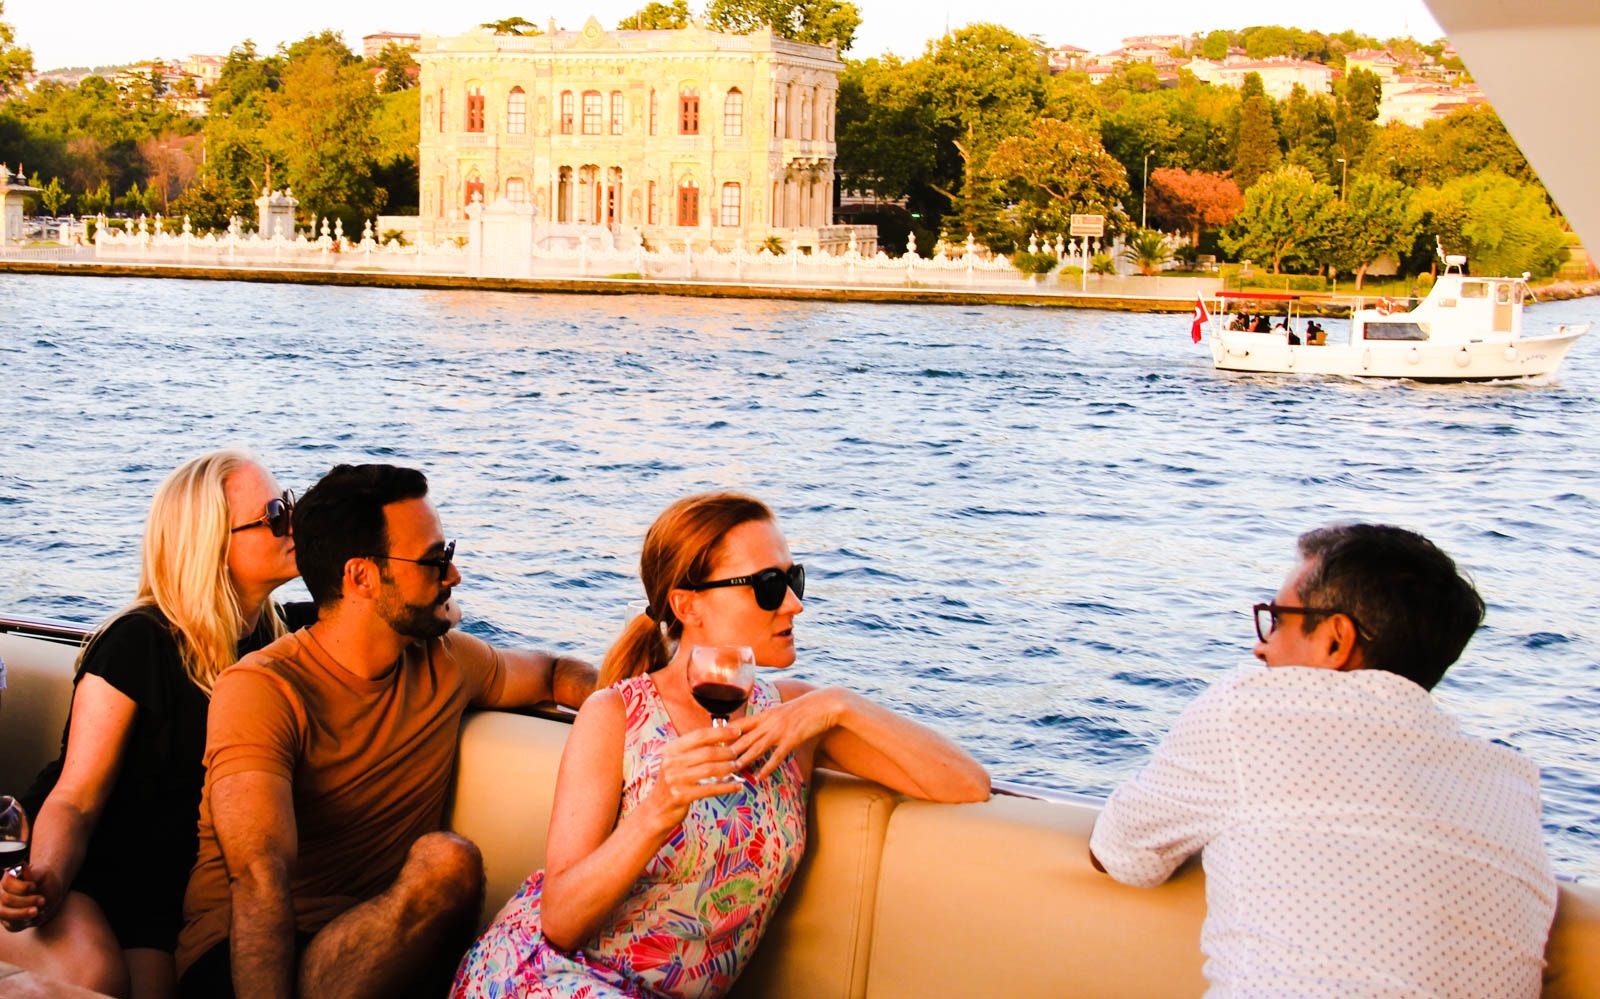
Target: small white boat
{"type": "Point", "coordinates": [1468, 329]}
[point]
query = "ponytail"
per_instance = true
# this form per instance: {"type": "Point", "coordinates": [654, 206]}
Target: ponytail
{"type": "Point", "coordinates": [642, 648]}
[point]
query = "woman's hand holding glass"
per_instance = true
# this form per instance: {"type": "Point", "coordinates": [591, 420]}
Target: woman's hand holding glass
{"type": "Point", "coordinates": [693, 766]}
{"type": "Point", "coordinates": [20, 904]}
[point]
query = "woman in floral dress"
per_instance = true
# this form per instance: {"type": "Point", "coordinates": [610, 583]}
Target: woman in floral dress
{"type": "Point", "coordinates": [658, 885]}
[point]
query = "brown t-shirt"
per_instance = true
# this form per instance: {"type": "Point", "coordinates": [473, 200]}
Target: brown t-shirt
{"type": "Point", "coordinates": [370, 762]}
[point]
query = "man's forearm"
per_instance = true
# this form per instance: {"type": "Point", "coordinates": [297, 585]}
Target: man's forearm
{"type": "Point", "coordinates": [572, 681]}
{"type": "Point", "coordinates": [262, 939]}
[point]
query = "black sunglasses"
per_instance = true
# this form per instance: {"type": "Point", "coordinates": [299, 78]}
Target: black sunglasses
{"type": "Point", "coordinates": [770, 585]}
{"type": "Point", "coordinates": [440, 561]}
{"type": "Point", "coordinates": [277, 516]}
{"type": "Point", "coordinates": [1267, 615]}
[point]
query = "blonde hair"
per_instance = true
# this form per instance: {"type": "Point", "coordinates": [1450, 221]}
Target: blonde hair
{"type": "Point", "coordinates": [679, 549]}
{"type": "Point", "coordinates": [183, 569]}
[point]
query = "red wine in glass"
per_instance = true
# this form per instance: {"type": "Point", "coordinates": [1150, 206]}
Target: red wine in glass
{"type": "Point", "coordinates": [13, 836]}
{"type": "Point", "coordinates": [720, 678]}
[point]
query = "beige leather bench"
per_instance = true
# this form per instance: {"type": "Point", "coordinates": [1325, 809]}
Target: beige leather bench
{"type": "Point", "coordinates": [894, 899]}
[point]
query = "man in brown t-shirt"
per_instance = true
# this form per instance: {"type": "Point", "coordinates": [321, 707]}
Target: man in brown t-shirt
{"type": "Point", "coordinates": [322, 870]}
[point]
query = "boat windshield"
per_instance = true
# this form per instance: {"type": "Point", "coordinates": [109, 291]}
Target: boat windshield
{"type": "Point", "coordinates": [1394, 331]}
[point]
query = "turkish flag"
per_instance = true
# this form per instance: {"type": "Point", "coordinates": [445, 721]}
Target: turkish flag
{"type": "Point", "coordinates": [1201, 317]}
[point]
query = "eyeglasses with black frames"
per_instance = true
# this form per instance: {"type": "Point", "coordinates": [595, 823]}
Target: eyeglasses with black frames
{"type": "Point", "coordinates": [770, 585]}
{"type": "Point", "coordinates": [276, 517]}
{"type": "Point", "coordinates": [440, 561]}
{"type": "Point", "coordinates": [1267, 617]}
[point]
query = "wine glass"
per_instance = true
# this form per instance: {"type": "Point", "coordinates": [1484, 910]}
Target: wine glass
{"type": "Point", "coordinates": [13, 836]}
{"type": "Point", "coordinates": [720, 677]}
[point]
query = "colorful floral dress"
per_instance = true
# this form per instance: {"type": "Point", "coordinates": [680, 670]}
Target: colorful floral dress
{"type": "Point", "coordinates": [694, 917]}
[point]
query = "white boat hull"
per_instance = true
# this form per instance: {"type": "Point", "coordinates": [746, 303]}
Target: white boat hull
{"type": "Point", "coordinates": [1486, 360]}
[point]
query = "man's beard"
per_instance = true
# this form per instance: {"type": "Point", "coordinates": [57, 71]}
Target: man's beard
{"type": "Point", "coordinates": [416, 621]}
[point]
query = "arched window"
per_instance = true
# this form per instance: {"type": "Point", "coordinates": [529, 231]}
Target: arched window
{"type": "Point", "coordinates": [564, 195]}
{"type": "Point", "coordinates": [689, 204]}
{"type": "Point", "coordinates": [516, 111]}
{"type": "Point", "coordinates": [475, 109]}
{"type": "Point", "coordinates": [593, 112]}
{"type": "Point", "coordinates": [689, 111]}
{"type": "Point", "coordinates": [733, 113]}
{"type": "Point", "coordinates": [516, 189]}
{"type": "Point", "coordinates": [616, 112]}
{"type": "Point", "coordinates": [805, 116]}
{"type": "Point", "coordinates": [474, 187]}
{"type": "Point", "coordinates": [730, 206]}
{"type": "Point", "coordinates": [654, 111]}
{"type": "Point", "coordinates": [650, 204]}
{"type": "Point", "coordinates": [442, 105]}
{"type": "Point", "coordinates": [567, 110]}
{"type": "Point", "coordinates": [427, 109]}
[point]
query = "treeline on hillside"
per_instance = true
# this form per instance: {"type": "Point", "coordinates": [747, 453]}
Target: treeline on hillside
{"type": "Point", "coordinates": [980, 139]}
{"type": "Point", "coordinates": [307, 117]}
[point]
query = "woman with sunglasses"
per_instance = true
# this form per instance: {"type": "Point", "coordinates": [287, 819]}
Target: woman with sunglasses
{"type": "Point", "coordinates": [101, 900]}
{"type": "Point", "coordinates": [662, 872]}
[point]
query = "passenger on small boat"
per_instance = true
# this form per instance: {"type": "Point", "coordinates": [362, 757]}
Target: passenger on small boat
{"type": "Point", "coordinates": [101, 900]}
{"type": "Point", "coordinates": [1316, 336]}
{"type": "Point", "coordinates": [322, 868]}
{"type": "Point", "coordinates": [663, 872]}
{"type": "Point", "coordinates": [1356, 841]}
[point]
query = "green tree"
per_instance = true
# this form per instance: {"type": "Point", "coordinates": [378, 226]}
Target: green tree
{"type": "Point", "coordinates": [96, 201]}
{"type": "Point", "coordinates": [1358, 97]}
{"type": "Point", "coordinates": [1055, 169]}
{"type": "Point", "coordinates": [320, 129]}
{"type": "Point", "coordinates": [1309, 131]}
{"type": "Point", "coordinates": [1285, 215]}
{"type": "Point", "coordinates": [656, 16]}
{"type": "Point", "coordinates": [1509, 227]}
{"type": "Point", "coordinates": [512, 26]}
{"type": "Point", "coordinates": [397, 64]}
{"type": "Point", "coordinates": [1257, 150]}
{"type": "Point", "coordinates": [53, 196]}
{"type": "Point", "coordinates": [1215, 47]}
{"type": "Point", "coordinates": [209, 205]}
{"type": "Point", "coordinates": [1377, 217]}
{"type": "Point", "coordinates": [816, 21]}
{"type": "Point", "coordinates": [16, 62]}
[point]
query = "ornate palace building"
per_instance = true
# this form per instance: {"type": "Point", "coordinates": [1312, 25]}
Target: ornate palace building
{"type": "Point", "coordinates": [677, 136]}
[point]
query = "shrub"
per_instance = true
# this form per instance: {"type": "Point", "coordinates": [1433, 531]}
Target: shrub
{"type": "Point", "coordinates": [1034, 263]}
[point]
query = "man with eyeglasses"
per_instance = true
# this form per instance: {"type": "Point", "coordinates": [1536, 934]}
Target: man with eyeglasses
{"type": "Point", "coordinates": [1356, 842]}
{"type": "Point", "coordinates": [323, 870]}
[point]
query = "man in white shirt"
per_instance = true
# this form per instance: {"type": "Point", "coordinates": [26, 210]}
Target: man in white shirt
{"type": "Point", "coordinates": [1356, 842]}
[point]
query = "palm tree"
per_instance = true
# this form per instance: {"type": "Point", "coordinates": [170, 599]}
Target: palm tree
{"type": "Point", "coordinates": [1147, 250]}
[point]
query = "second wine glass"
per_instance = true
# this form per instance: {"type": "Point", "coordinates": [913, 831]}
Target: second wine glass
{"type": "Point", "coordinates": [13, 836]}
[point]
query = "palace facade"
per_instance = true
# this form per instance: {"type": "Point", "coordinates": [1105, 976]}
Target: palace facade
{"type": "Point", "coordinates": [678, 136]}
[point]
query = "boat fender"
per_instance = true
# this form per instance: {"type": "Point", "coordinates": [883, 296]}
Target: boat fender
{"type": "Point", "coordinates": [1413, 356]}
{"type": "Point", "coordinates": [1385, 306]}
{"type": "Point", "coordinates": [1463, 358]}
{"type": "Point", "coordinates": [1511, 352]}
{"type": "Point", "coordinates": [1366, 359]}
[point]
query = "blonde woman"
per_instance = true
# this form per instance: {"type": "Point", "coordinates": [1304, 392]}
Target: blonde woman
{"type": "Point", "coordinates": [100, 902]}
{"type": "Point", "coordinates": [662, 874]}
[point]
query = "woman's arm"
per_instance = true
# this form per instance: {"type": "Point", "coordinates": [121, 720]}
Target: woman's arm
{"type": "Point", "coordinates": [862, 738]}
{"type": "Point", "coordinates": [102, 721]}
{"type": "Point", "coordinates": [592, 861]}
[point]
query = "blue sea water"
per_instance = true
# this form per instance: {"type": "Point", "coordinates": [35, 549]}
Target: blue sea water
{"type": "Point", "coordinates": [1039, 530]}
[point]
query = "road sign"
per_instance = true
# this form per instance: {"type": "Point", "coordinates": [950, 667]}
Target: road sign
{"type": "Point", "coordinates": [1087, 225]}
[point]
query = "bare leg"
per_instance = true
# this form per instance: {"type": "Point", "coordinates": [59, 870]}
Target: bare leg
{"type": "Point", "coordinates": [76, 947]}
{"type": "Point", "coordinates": [151, 973]}
{"type": "Point", "coordinates": [394, 943]}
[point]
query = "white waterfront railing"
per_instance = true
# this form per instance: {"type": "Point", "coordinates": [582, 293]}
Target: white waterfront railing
{"type": "Point", "coordinates": [144, 243]}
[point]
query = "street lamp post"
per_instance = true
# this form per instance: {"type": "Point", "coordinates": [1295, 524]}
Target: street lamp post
{"type": "Point", "coordinates": [1344, 175]}
{"type": "Point", "coordinates": [1144, 193]}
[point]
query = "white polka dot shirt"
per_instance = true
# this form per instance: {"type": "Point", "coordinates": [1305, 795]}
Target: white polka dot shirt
{"type": "Point", "coordinates": [1356, 842]}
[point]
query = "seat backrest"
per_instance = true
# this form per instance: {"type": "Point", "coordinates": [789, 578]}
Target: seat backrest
{"type": "Point", "coordinates": [504, 787]}
{"type": "Point", "coordinates": [34, 707]}
{"type": "Point", "coordinates": [999, 898]}
{"type": "Point", "coordinates": [820, 942]}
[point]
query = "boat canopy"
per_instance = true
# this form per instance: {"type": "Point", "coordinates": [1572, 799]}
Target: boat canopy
{"type": "Point", "coordinates": [1260, 296]}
